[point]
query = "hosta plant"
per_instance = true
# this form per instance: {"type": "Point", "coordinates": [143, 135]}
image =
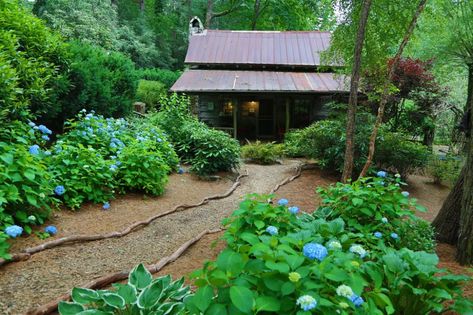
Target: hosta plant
{"type": "Point", "coordinates": [141, 295]}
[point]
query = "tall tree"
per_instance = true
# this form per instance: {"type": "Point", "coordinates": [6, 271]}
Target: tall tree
{"type": "Point", "coordinates": [454, 222]}
{"type": "Point", "coordinates": [353, 99]}
{"type": "Point", "coordinates": [231, 6]}
{"type": "Point", "coordinates": [385, 93]}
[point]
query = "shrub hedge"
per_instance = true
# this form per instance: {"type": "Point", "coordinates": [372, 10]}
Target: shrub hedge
{"type": "Point", "coordinates": [325, 141]}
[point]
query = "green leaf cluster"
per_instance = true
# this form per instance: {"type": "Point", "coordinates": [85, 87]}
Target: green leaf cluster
{"type": "Point", "coordinates": [141, 295]}
{"type": "Point", "coordinates": [261, 273]}
{"type": "Point", "coordinates": [262, 153]}
{"type": "Point", "coordinates": [206, 149]}
{"type": "Point", "coordinates": [324, 141]}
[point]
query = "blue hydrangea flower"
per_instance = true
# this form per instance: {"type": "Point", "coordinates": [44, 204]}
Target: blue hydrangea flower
{"type": "Point", "coordinates": [50, 229]}
{"type": "Point", "coordinates": [180, 170]}
{"type": "Point", "coordinates": [159, 140]}
{"type": "Point", "coordinates": [384, 220]}
{"type": "Point", "coordinates": [306, 302]}
{"type": "Point", "coordinates": [106, 206]}
{"type": "Point", "coordinates": [113, 167]}
{"type": "Point", "coordinates": [293, 210]}
{"type": "Point", "coordinates": [47, 153]}
{"type": "Point", "coordinates": [315, 251]}
{"type": "Point", "coordinates": [394, 236]}
{"type": "Point", "coordinates": [378, 234]}
{"type": "Point", "coordinates": [44, 129]}
{"type": "Point", "coordinates": [34, 149]}
{"type": "Point", "coordinates": [118, 163]}
{"type": "Point", "coordinates": [13, 231]}
{"type": "Point", "coordinates": [283, 202]}
{"type": "Point", "coordinates": [31, 124]}
{"type": "Point", "coordinates": [272, 230]}
{"type": "Point", "coordinates": [405, 194]}
{"type": "Point", "coordinates": [382, 174]}
{"type": "Point", "coordinates": [59, 190]}
{"type": "Point", "coordinates": [357, 300]}
{"type": "Point", "coordinates": [45, 137]}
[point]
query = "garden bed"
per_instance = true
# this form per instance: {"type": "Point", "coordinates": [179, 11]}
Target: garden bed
{"type": "Point", "coordinates": [301, 192]}
{"type": "Point", "coordinates": [52, 273]}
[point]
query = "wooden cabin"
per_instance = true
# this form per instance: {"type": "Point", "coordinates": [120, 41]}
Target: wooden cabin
{"type": "Point", "coordinates": [258, 84]}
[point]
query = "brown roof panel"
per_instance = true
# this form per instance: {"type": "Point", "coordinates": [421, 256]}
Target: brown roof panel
{"type": "Point", "coordinates": [194, 81]}
{"type": "Point", "coordinates": [257, 48]}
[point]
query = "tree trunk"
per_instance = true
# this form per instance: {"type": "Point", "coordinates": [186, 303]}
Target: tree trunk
{"type": "Point", "coordinates": [465, 234]}
{"type": "Point", "coordinates": [447, 221]}
{"type": "Point", "coordinates": [429, 136]}
{"type": "Point", "coordinates": [353, 99]}
{"type": "Point", "coordinates": [209, 16]}
{"type": "Point", "coordinates": [256, 14]}
{"type": "Point", "coordinates": [385, 94]}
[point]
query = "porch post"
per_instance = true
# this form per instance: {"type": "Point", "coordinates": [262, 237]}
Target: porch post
{"type": "Point", "coordinates": [288, 113]}
{"type": "Point", "coordinates": [235, 120]}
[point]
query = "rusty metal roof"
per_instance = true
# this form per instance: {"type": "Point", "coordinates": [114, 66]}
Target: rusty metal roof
{"type": "Point", "coordinates": [194, 81]}
{"type": "Point", "coordinates": [257, 48]}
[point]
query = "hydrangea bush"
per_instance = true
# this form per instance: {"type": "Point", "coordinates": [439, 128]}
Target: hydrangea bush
{"type": "Point", "coordinates": [281, 262]}
{"type": "Point", "coordinates": [379, 209]}
{"type": "Point", "coordinates": [26, 189]}
{"type": "Point", "coordinates": [98, 156]}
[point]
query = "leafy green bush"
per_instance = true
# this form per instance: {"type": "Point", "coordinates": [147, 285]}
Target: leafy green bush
{"type": "Point", "coordinates": [370, 206]}
{"type": "Point", "coordinates": [26, 191]}
{"type": "Point", "coordinates": [446, 169]}
{"type": "Point", "coordinates": [417, 234]}
{"type": "Point", "coordinates": [141, 295]}
{"type": "Point", "coordinates": [142, 168]}
{"type": "Point", "coordinates": [325, 141]}
{"type": "Point", "coordinates": [395, 151]}
{"type": "Point", "coordinates": [262, 153]}
{"type": "Point", "coordinates": [32, 59]}
{"type": "Point", "coordinates": [101, 81]}
{"type": "Point", "coordinates": [150, 93]}
{"type": "Point", "coordinates": [84, 174]}
{"type": "Point", "coordinates": [207, 150]}
{"type": "Point", "coordinates": [166, 77]}
{"type": "Point", "coordinates": [280, 262]}
{"type": "Point", "coordinates": [124, 155]}
{"type": "Point", "coordinates": [294, 144]}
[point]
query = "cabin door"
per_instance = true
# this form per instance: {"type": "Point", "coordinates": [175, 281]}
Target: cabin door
{"type": "Point", "coordinates": [256, 119]}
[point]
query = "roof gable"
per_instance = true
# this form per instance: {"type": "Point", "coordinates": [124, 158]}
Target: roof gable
{"type": "Point", "coordinates": [214, 47]}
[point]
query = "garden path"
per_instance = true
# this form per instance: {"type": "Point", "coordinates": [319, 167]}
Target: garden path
{"type": "Point", "coordinates": [51, 273]}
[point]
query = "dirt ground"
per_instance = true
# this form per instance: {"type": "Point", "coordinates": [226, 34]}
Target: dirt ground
{"type": "Point", "coordinates": [51, 273]}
